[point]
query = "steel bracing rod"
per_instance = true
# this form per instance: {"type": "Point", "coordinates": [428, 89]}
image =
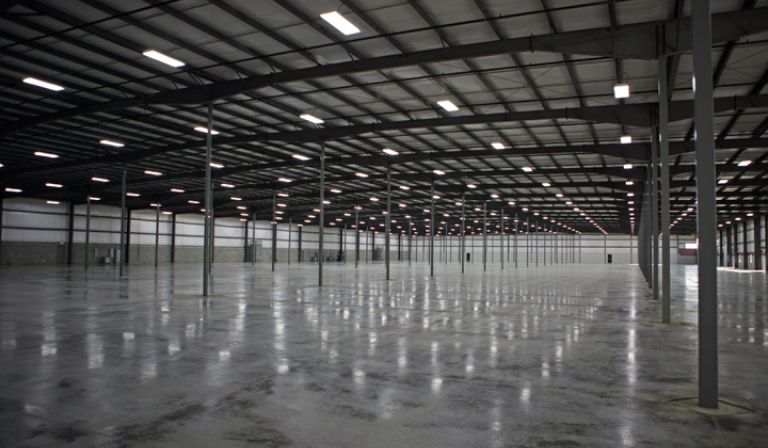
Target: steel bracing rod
{"type": "Point", "coordinates": [123, 218]}
{"type": "Point", "coordinates": [639, 40]}
{"type": "Point", "coordinates": [663, 139]}
{"type": "Point", "coordinates": [702, 28]}
{"type": "Point", "coordinates": [208, 204]}
{"type": "Point", "coordinates": [321, 229]}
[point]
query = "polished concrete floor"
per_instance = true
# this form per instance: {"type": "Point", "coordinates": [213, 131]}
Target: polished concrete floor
{"type": "Point", "coordinates": [542, 357]}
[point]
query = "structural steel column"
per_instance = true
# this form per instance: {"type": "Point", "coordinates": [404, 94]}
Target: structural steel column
{"type": "Point", "coordinates": [432, 234]}
{"type": "Point", "coordinates": [707, 208]}
{"type": "Point", "coordinates": [173, 238]}
{"type": "Point", "coordinates": [274, 229]}
{"type": "Point", "coordinates": [253, 240]}
{"type": "Point", "coordinates": [746, 246]}
{"type": "Point", "coordinates": [321, 228]}
{"type": "Point", "coordinates": [300, 255]}
{"type": "Point", "coordinates": [70, 231]}
{"type": "Point", "coordinates": [758, 264]}
{"type": "Point", "coordinates": [514, 254]}
{"type": "Point", "coordinates": [663, 138]}
{"type": "Point", "coordinates": [502, 238]}
{"type": "Point", "coordinates": [123, 237]}
{"type": "Point", "coordinates": [544, 245]}
{"type": "Point", "coordinates": [245, 241]}
{"type": "Point", "coordinates": [208, 204]}
{"type": "Point", "coordinates": [290, 236]}
{"type": "Point", "coordinates": [357, 238]}
{"type": "Point", "coordinates": [463, 228]}
{"type": "Point", "coordinates": [485, 237]}
{"type": "Point", "coordinates": [88, 232]}
{"type": "Point", "coordinates": [728, 248]}
{"type": "Point", "coordinates": [655, 206]}
{"type": "Point", "coordinates": [388, 219]}
{"type": "Point", "coordinates": [721, 246]}
{"type": "Point", "coordinates": [527, 240]}
{"type": "Point", "coordinates": [735, 244]}
{"type": "Point", "coordinates": [157, 233]}
{"type": "Point", "coordinates": [410, 240]}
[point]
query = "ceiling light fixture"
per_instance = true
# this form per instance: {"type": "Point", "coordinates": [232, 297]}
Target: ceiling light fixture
{"type": "Point", "coordinates": [100, 179]}
{"type": "Point", "coordinates": [497, 145]}
{"type": "Point", "coordinates": [47, 155]}
{"type": "Point", "coordinates": [621, 91]}
{"type": "Point", "coordinates": [448, 105]}
{"type": "Point", "coordinates": [204, 130]}
{"type": "Point", "coordinates": [390, 152]}
{"type": "Point", "coordinates": [301, 157]}
{"type": "Point", "coordinates": [624, 139]}
{"type": "Point", "coordinates": [311, 118]}
{"type": "Point", "coordinates": [152, 173]}
{"type": "Point", "coordinates": [165, 59]}
{"type": "Point", "coordinates": [112, 143]}
{"type": "Point", "coordinates": [340, 23]}
{"type": "Point", "coordinates": [43, 84]}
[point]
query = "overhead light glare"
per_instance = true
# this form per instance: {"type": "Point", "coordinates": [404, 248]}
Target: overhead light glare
{"type": "Point", "coordinates": [152, 173]}
{"type": "Point", "coordinates": [52, 185]}
{"type": "Point", "coordinates": [301, 157]}
{"type": "Point", "coordinates": [113, 143]}
{"type": "Point", "coordinates": [621, 91]}
{"type": "Point", "coordinates": [100, 179]}
{"type": "Point", "coordinates": [12, 190]}
{"type": "Point", "coordinates": [624, 139]}
{"type": "Point", "coordinates": [311, 118]}
{"type": "Point", "coordinates": [627, 166]}
{"type": "Point", "coordinates": [448, 105]}
{"type": "Point", "coordinates": [284, 180]}
{"type": "Point", "coordinates": [164, 58]}
{"type": "Point", "coordinates": [390, 152]}
{"type": "Point", "coordinates": [227, 185]}
{"type": "Point", "coordinates": [204, 130]}
{"type": "Point", "coordinates": [47, 155]}
{"type": "Point", "coordinates": [43, 84]}
{"type": "Point", "coordinates": [340, 23]}
{"type": "Point", "coordinates": [439, 172]}
{"type": "Point", "coordinates": [363, 175]}
{"type": "Point", "coordinates": [497, 145]}
{"type": "Point", "coordinates": [745, 163]}
{"type": "Point", "coordinates": [177, 190]}
{"type": "Point", "coordinates": [133, 195]}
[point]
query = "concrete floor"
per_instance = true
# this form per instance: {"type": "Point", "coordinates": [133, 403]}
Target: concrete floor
{"type": "Point", "coordinates": [542, 357]}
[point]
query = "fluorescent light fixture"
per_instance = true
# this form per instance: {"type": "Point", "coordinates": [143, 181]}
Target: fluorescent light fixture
{"type": "Point", "coordinates": [448, 105]}
{"type": "Point", "coordinates": [94, 198]}
{"type": "Point", "coordinates": [374, 199]}
{"type": "Point", "coordinates": [236, 198]}
{"type": "Point", "coordinates": [133, 195]}
{"type": "Point", "coordinates": [497, 145]}
{"type": "Point", "coordinates": [527, 169]}
{"type": "Point", "coordinates": [621, 91]}
{"type": "Point", "coordinates": [284, 179]}
{"type": "Point", "coordinates": [435, 196]}
{"type": "Point", "coordinates": [152, 173]}
{"type": "Point", "coordinates": [722, 181]}
{"type": "Point", "coordinates": [745, 163]}
{"type": "Point", "coordinates": [335, 190]}
{"type": "Point", "coordinates": [283, 195]}
{"type": "Point", "coordinates": [227, 185]}
{"type": "Point", "coordinates": [471, 186]}
{"type": "Point", "coordinates": [52, 185]}
{"type": "Point", "coordinates": [165, 59]}
{"type": "Point", "coordinates": [326, 202]}
{"type": "Point", "coordinates": [113, 143]}
{"type": "Point", "coordinates": [627, 166]}
{"type": "Point", "coordinates": [303, 158]}
{"type": "Point", "coordinates": [167, 212]}
{"type": "Point", "coordinates": [100, 179]}
{"type": "Point", "coordinates": [12, 190]}
{"type": "Point", "coordinates": [439, 172]}
{"type": "Point", "coordinates": [193, 202]}
{"type": "Point", "coordinates": [216, 165]}
{"type": "Point", "coordinates": [53, 202]}
{"type": "Point", "coordinates": [340, 23]}
{"type": "Point", "coordinates": [43, 84]}
{"type": "Point", "coordinates": [177, 190]}
{"type": "Point", "coordinates": [401, 205]}
{"type": "Point", "coordinates": [494, 196]}
{"type": "Point", "coordinates": [241, 207]}
{"type": "Point", "coordinates": [559, 195]}
{"type": "Point", "coordinates": [405, 187]}
{"type": "Point", "coordinates": [281, 205]}
{"type": "Point", "coordinates": [511, 202]}
{"type": "Point", "coordinates": [625, 139]}
{"type": "Point", "coordinates": [629, 182]}
{"type": "Point", "coordinates": [363, 175]}
{"type": "Point", "coordinates": [47, 155]}
{"type": "Point", "coordinates": [546, 184]}
{"type": "Point", "coordinates": [311, 118]}
{"type": "Point", "coordinates": [390, 152]}
{"type": "Point", "coordinates": [204, 130]}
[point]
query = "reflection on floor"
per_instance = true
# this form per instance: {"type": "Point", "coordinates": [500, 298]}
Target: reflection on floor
{"type": "Point", "coordinates": [552, 356]}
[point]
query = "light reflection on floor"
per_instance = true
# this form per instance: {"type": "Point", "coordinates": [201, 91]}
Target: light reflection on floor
{"type": "Point", "coordinates": [552, 356]}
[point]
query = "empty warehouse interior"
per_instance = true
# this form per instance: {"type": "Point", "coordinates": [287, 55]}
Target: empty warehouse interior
{"type": "Point", "coordinates": [383, 223]}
